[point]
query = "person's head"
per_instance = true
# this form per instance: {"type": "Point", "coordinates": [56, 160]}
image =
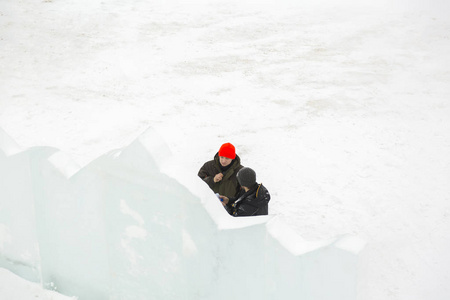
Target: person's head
{"type": "Point", "coordinates": [227, 153]}
{"type": "Point", "coordinates": [246, 177]}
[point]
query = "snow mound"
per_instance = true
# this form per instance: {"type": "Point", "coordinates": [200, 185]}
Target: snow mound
{"type": "Point", "coordinates": [15, 288]}
{"type": "Point", "coordinates": [133, 225]}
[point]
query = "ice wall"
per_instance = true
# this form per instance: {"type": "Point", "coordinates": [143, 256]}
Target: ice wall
{"type": "Point", "coordinates": [133, 225]}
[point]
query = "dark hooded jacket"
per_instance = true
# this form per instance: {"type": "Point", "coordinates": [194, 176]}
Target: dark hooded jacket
{"type": "Point", "coordinates": [255, 202]}
{"type": "Point", "coordinates": [229, 185]}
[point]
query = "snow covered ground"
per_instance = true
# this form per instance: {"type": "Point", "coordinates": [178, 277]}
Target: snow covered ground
{"type": "Point", "coordinates": [14, 287]}
{"type": "Point", "coordinates": [341, 108]}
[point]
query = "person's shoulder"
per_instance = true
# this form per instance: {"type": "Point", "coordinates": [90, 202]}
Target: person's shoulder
{"type": "Point", "coordinates": [209, 162]}
{"type": "Point", "coordinates": [262, 191]}
{"type": "Point", "coordinates": [237, 163]}
{"type": "Point", "coordinates": [263, 187]}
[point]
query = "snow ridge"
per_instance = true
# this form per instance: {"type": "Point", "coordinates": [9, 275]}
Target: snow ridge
{"type": "Point", "coordinates": [133, 225]}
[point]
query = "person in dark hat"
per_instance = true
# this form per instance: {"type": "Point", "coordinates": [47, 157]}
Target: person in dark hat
{"type": "Point", "coordinates": [220, 173]}
{"type": "Point", "coordinates": [253, 198]}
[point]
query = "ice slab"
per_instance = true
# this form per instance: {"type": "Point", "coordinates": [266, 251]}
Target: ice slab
{"type": "Point", "coordinates": [133, 225]}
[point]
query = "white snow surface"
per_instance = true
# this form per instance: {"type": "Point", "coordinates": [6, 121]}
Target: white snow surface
{"type": "Point", "coordinates": [14, 287]}
{"type": "Point", "coordinates": [341, 108]}
{"type": "Point", "coordinates": [133, 224]}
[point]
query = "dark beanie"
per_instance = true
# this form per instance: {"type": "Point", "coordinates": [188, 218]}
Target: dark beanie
{"type": "Point", "coordinates": [246, 177]}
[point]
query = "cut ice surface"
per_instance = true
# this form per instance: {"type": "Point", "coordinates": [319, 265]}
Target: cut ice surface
{"type": "Point", "coordinates": [124, 227]}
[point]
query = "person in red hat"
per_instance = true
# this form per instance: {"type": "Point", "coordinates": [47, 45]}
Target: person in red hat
{"type": "Point", "coordinates": [220, 173]}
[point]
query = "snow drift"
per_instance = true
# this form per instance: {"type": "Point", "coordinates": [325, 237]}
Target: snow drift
{"type": "Point", "coordinates": [132, 225]}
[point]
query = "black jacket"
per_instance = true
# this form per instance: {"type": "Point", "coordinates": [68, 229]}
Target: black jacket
{"type": "Point", "coordinates": [255, 202]}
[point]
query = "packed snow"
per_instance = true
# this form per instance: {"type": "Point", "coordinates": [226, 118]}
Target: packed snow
{"type": "Point", "coordinates": [14, 287]}
{"type": "Point", "coordinates": [126, 227]}
{"type": "Point", "coordinates": [342, 109]}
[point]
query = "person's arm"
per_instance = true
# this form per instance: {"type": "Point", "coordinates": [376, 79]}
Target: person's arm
{"type": "Point", "coordinates": [256, 205]}
{"type": "Point", "coordinates": [228, 203]}
{"type": "Point", "coordinates": [264, 196]}
{"type": "Point", "coordinates": [205, 175]}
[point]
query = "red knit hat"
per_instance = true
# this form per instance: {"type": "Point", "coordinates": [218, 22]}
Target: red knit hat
{"type": "Point", "coordinates": [227, 150]}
